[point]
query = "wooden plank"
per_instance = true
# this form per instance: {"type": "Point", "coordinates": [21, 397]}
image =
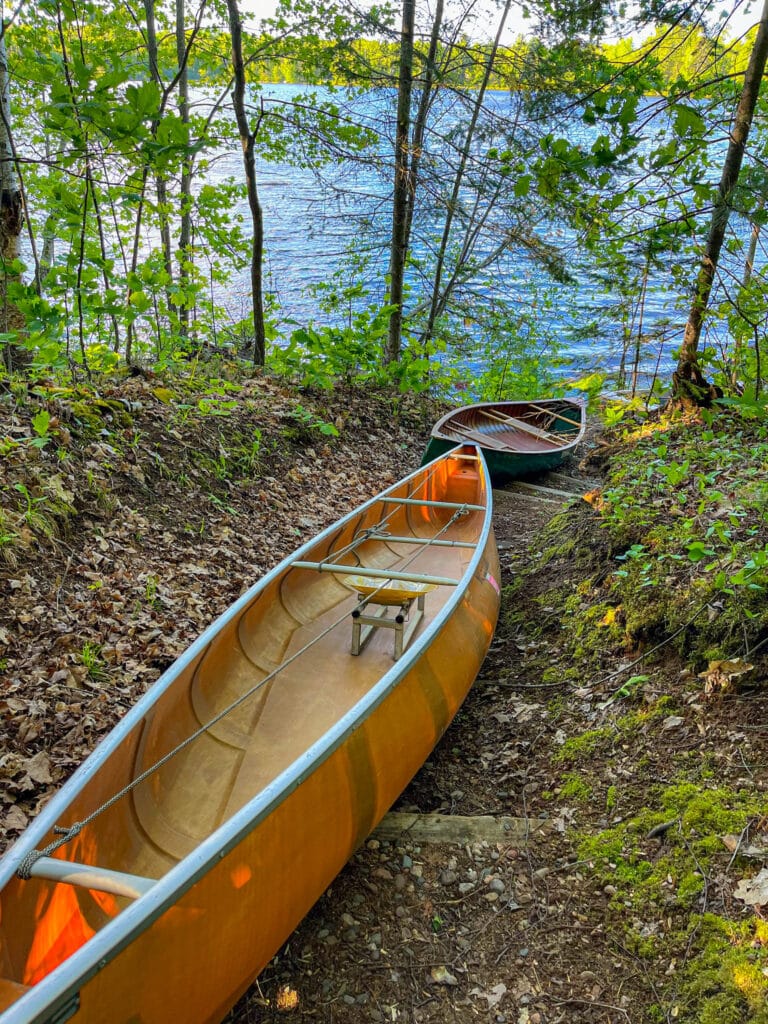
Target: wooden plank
{"type": "Point", "coordinates": [571, 483]}
{"type": "Point", "coordinates": [457, 828]}
{"type": "Point", "coordinates": [510, 499]}
{"type": "Point", "coordinates": [484, 440]}
{"type": "Point", "coordinates": [543, 492]}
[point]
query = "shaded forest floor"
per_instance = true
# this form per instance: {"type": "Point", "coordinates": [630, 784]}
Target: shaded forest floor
{"type": "Point", "coordinates": [131, 517]}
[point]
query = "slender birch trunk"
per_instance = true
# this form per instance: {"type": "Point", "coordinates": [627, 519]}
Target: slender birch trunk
{"type": "Point", "coordinates": [248, 142]}
{"type": "Point", "coordinates": [403, 187]}
{"type": "Point", "coordinates": [185, 199]}
{"type": "Point", "coordinates": [11, 217]}
{"type": "Point", "coordinates": [452, 204]}
{"type": "Point", "coordinates": [689, 384]}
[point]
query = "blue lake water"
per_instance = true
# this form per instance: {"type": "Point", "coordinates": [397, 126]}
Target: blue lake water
{"type": "Point", "coordinates": [312, 225]}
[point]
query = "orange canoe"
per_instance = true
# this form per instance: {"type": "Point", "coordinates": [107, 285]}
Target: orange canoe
{"type": "Point", "coordinates": [204, 827]}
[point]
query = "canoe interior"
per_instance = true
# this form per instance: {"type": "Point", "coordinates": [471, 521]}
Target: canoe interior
{"type": "Point", "coordinates": [529, 427]}
{"type": "Point", "coordinates": [517, 438]}
{"type": "Point", "coordinates": [299, 619]}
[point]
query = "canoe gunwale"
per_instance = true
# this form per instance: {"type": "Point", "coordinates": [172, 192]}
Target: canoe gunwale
{"type": "Point", "coordinates": [57, 989]}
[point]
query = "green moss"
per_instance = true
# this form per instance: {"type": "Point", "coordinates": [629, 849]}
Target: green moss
{"type": "Point", "coordinates": [725, 977]}
{"type": "Point", "coordinates": [647, 875]}
{"type": "Point", "coordinates": [574, 787]}
{"type": "Point", "coordinates": [579, 748]}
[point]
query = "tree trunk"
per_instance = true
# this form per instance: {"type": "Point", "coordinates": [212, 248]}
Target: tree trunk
{"type": "Point", "coordinates": [420, 123]}
{"type": "Point", "coordinates": [689, 384]}
{"type": "Point", "coordinates": [403, 185]}
{"type": "Point", "coordinates": [435, 304]}
{"type": "Point", "coordinates": [248, 140]}
{"type": "Point", "coordinates": [161, 185]}
{"type": "Point", "coordinates": [11, 218]}
{"type": "Point", "coordinates": [185, 200]}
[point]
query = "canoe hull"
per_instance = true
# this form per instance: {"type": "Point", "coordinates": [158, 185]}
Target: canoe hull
{"type": "Point", "coordinates": [511, 454]}
{"type": "Point", "coordinates": [503, 466]}
{"type": "Point", "coordinates": [198, 939]}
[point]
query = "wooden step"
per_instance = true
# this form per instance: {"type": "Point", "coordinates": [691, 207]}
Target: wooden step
{"type": "Point", "coordinates": [457, 828]}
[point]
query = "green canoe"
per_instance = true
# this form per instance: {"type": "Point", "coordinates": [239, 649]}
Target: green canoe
{"type": "Point", "coordinates": [518, 438]}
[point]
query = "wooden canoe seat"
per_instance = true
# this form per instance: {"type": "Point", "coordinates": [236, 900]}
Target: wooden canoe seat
{"type": "Point", "coordinates": [405, 621]}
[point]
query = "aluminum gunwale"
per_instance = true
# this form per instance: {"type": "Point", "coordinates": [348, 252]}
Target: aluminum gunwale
{"type": "Point", "coordinates": [51, 993]}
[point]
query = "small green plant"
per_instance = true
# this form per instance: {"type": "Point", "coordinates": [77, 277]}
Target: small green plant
{"type": "Point", "coordinates": [32, 513]}
{"type": "Point", "coordinates": [307, 424]}
{"type": "Point", "coordinates": [91, 659]}
{"type": "Point", "coordinates": [150, 591]}
{"type": "Point", "coordinates": [41, 423]}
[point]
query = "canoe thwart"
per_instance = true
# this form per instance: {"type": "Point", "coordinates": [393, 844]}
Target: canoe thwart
{"type": "Point", "coordinates": [377, 574]}
{"type": "Point", "coordinates": [431, 504]}
{"type": "Point", "coordinates": [404, 624]}
{"type": "Point", "coordinates": [392, 539]}
{"type": "Point", "coordinates": [118, 883]}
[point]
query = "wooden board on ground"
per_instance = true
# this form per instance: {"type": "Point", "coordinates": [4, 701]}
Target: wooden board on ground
{"type": "Point", "coordinates": [578, 485]}
{"type": "Point", "coordinates": [507, 499]}
{"type": "Point", "coordinates": [523, 487]}
{"type": "Point", "coordinates": [457, 828]}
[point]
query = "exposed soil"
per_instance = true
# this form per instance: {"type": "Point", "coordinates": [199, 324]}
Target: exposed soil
{"type": "Point", "coordinates": [164, 520]}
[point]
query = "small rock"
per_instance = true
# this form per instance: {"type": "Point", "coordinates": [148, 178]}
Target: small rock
{"type": "Point", "coordinates": [400, 881]}
{"type": "Point", "coordinates": [448, 877]}
{"type": "Point", "coordinates": [496, 885]}
{"type": "Point", "coordinates": [465, 887]}
{"type": "Point", "coordinates": [442, 976]}
{"type": "Point", "coordinates": [491, 897]}
{"type": "Point", "coordinates": [407, 862]}
{"type": "Point", "coordinates": [610, 890]}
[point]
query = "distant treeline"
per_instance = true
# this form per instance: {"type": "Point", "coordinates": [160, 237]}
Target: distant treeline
{"type": "Point", "coordinates": [680, 55]}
